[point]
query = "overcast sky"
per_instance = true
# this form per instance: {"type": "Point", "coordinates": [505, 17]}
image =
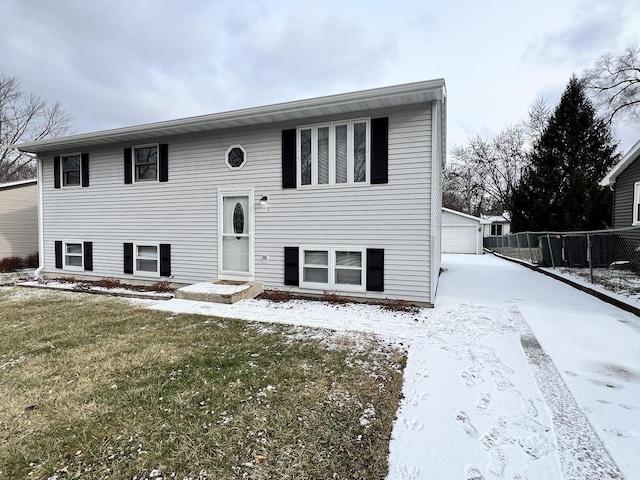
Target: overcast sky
{"type": "Point", "coordinates": [119, 63]}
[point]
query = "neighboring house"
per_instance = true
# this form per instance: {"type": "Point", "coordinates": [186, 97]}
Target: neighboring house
{"type": "Point", "coordinates": [339, 193]}
{"type": "Point", "coordinates": [18, 218]}
{"type": "Point", "coordinates": [624, 180]}
{"type": "Point", "coordinates": [461, 233]}
{"type": "Point", "coordinates": [497, 225]}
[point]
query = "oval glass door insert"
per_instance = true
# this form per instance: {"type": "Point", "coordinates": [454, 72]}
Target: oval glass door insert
{"type": "Point", "coordinates": [238, 219]}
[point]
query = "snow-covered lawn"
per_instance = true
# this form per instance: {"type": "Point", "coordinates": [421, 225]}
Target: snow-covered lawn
{"type": "Point", "coordinates": [513, 375]}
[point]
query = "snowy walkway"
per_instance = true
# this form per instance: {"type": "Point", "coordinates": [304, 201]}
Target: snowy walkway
{"type": "Point", "coordinates": [478, 406]}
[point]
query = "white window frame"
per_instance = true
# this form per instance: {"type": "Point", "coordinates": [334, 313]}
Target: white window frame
{"type": "Point", "coordinates": [74, 268]}
{"type": "Point", "coordinates": [332, 153]}
{"type": "Point", "coordinates": [67, 155]}
{"type": "Point", "coordinates": [145, 273]}
{"type": "Point", "coordinates": [331, 284]}
{"type": "Point", "coordinates": [226, 157]}
{"type": "Point", "coordinates": [635, 214]}
{"type": "Point", "coordinates": [134, 175]}
{"type": "Point", "coordinates": [494, 229]}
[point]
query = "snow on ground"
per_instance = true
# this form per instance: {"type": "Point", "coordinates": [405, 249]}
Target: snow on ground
{"type": "Point", "coordinates": [485, 390]}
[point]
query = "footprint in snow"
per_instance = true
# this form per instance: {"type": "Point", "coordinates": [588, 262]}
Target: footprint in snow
{"type": "Point", "coordinates": [498, 462]}
{"type": "Point", "coordinates": [466, 424]}
{"type": "Point", "coordinates": [529, 408]}
{"type": "Point", "coordinates": [483, 400]}
{"type": "Point", "coordinates": [473, 474]}
{"type": "Point", "coordinates": [501, 383]}
{"type": "Point", "coordinates": [470, 377]}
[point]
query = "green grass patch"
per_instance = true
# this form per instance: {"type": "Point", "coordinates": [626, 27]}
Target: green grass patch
{"type": "Point", "coordinates": [94, 387]}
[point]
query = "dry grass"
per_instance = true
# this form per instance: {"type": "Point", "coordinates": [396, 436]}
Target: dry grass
{"type": "Point", "coordinates": [92, 387]}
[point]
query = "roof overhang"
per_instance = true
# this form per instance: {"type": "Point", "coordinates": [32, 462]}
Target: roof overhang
{"type": "Point", "coordinates": [386, 97]}
{"type": "Point", "coordinates": [19, 183]}
{"type": "Point", "coordinates": [610, 179]}
{"type": "Point", "coordinates": [482, 221]}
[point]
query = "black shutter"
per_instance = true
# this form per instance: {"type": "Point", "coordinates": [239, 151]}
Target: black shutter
{"type": "Point", "coordinates": [165, 260]}
{"type": "Point", "coordinates": [87, 249]}
{"type": "Point", "coordinates": [380, 150]}
{"type": "Point", "coordinates": [289, 179]}
{"type": "Point", "coordinates": [375, 270]}
{"type": "Point", "coordinates": [85, 169]}
{"type": "Point", "coordinates": [58, 254]}
{"type": "Point", "coordinates": [128, 258]}
{"type": "Point", "coordinates": [56, 172]}
{"type": "Point", "coordinates": [127, 166]}
{"type": "Point", "coordinates": [291, 266]}
{"type": "Point", "coordinates": [163, 163]}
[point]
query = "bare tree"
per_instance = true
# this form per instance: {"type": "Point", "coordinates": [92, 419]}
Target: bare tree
{"type": "Point", "coordinates": [483, 174]}
{"type": "Point", "coordinates": [24, 117]}
{"type": "Point", "coordinates": [614, 84]}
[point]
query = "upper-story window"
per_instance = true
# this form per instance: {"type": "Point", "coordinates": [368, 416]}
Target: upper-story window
{"type": "Point", "coordinates": [145, 163]}
{"type": "Point", "coordinates": [334, 153]}
{"type": "Point", "coordinates": [70, 170]}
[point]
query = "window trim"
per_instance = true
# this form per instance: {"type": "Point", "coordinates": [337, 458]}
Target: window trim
{"type": "Point", "coordinates": [145, 273]}
{"type": "Point", "coordinates": [332, 285]}
{"type": "Point", "coordinates": [134, 176]}
{"type": "Point", "coordinates": [635, 212]}
{"type": "Point", "coordinates": [493, 232]}
{"type": "Point", "coordinates": [332, 154]}
{"type": "Point", "coordinates": [226, 157]}
{"type": "Point", "coordinates": [67, 155]}
{"type": "Point", "coordinates": [73, 268]}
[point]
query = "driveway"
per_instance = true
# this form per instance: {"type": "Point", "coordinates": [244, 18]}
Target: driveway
{"type": "Point", "coordinates": [513, 375]}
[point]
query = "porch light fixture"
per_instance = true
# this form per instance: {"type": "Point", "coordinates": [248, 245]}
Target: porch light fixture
{"type": "Point", "coordinates": [264, 201]}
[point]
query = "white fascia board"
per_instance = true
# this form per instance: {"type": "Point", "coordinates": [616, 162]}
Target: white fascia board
{"type": "Point", "coordinates": [619, 167]}
{"type": "Point", "coordinates": [466, 215]}
{"type": "Point", "coordinates": [406, 94]}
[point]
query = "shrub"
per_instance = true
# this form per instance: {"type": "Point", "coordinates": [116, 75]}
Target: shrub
{"type": "Point", "coordinates": [107, 283]}
{"type": "Point", "coordinates": [276, 295]}
{"type": "Point", "coordinates": [32, 260]}
{"type": "Point", "coordinates": [399, 306]}
{"type": "Point", "coordinates": [10, 264]}
{"type": "Point", "coordinates": [334, 297]}
{"type": "Point", "coordinates": [162, 286]}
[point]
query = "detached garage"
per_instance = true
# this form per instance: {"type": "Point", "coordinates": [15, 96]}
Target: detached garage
{"type": "Point", "coordinates": [461, 233]}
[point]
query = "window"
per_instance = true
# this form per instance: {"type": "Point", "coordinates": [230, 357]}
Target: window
{"type": "Point", "coordinates": [235, 157]}
{"type": "Point", "coordinates": [328, 268]}
{"type": "Point", "coordinates": [636, 204]}
{"type": "Point", "coordinates": [496, 229]}
{"type": "Point", "coordinates": [73, 256]}
{"type": "Point", "coordinates": [145, 163]}
{"type": "Point", "coordinates": [334, 153]}
{"type": "Point", "coordinates": [70, 170]}
{"type": "Point", "coordinates": [146, 260]}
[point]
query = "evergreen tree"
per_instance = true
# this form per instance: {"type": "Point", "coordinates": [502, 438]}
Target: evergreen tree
{"type": "Point", "coordinates": [559, 191]}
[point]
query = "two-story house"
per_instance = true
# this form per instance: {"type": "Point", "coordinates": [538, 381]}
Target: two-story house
{"type": "Point", "coordinates": [339, 193]}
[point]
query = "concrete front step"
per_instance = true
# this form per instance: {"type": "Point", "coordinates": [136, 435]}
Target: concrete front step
{"type": "Point", "coordinates": [220, 291]}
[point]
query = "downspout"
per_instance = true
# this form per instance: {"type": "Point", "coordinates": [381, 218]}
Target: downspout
{"type": "Point", "coordinates": [38, 273]}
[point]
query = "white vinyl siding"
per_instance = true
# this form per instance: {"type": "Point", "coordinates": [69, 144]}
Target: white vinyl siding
{"type": "Point", "coordinates": [395, 217]}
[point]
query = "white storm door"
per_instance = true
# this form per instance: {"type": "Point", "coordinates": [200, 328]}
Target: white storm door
{"type": "Point", "coordinates": [235, 236]}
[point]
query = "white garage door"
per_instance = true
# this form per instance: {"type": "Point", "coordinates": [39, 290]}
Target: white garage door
{"type": "Point", "coordinates": [460, 239]}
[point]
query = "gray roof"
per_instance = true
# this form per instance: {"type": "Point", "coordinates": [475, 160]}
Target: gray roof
{"type": "Point", "coordinates": [407, 94]}
{"type": "Point", "coordinates": [625, 161]}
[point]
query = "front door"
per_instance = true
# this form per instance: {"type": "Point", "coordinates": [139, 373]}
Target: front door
{"type": "Point", "coordinates": [235, 236]}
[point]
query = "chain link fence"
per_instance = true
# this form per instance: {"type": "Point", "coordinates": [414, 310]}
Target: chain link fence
{"type": "Point", "coordinates": [608, 257]}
